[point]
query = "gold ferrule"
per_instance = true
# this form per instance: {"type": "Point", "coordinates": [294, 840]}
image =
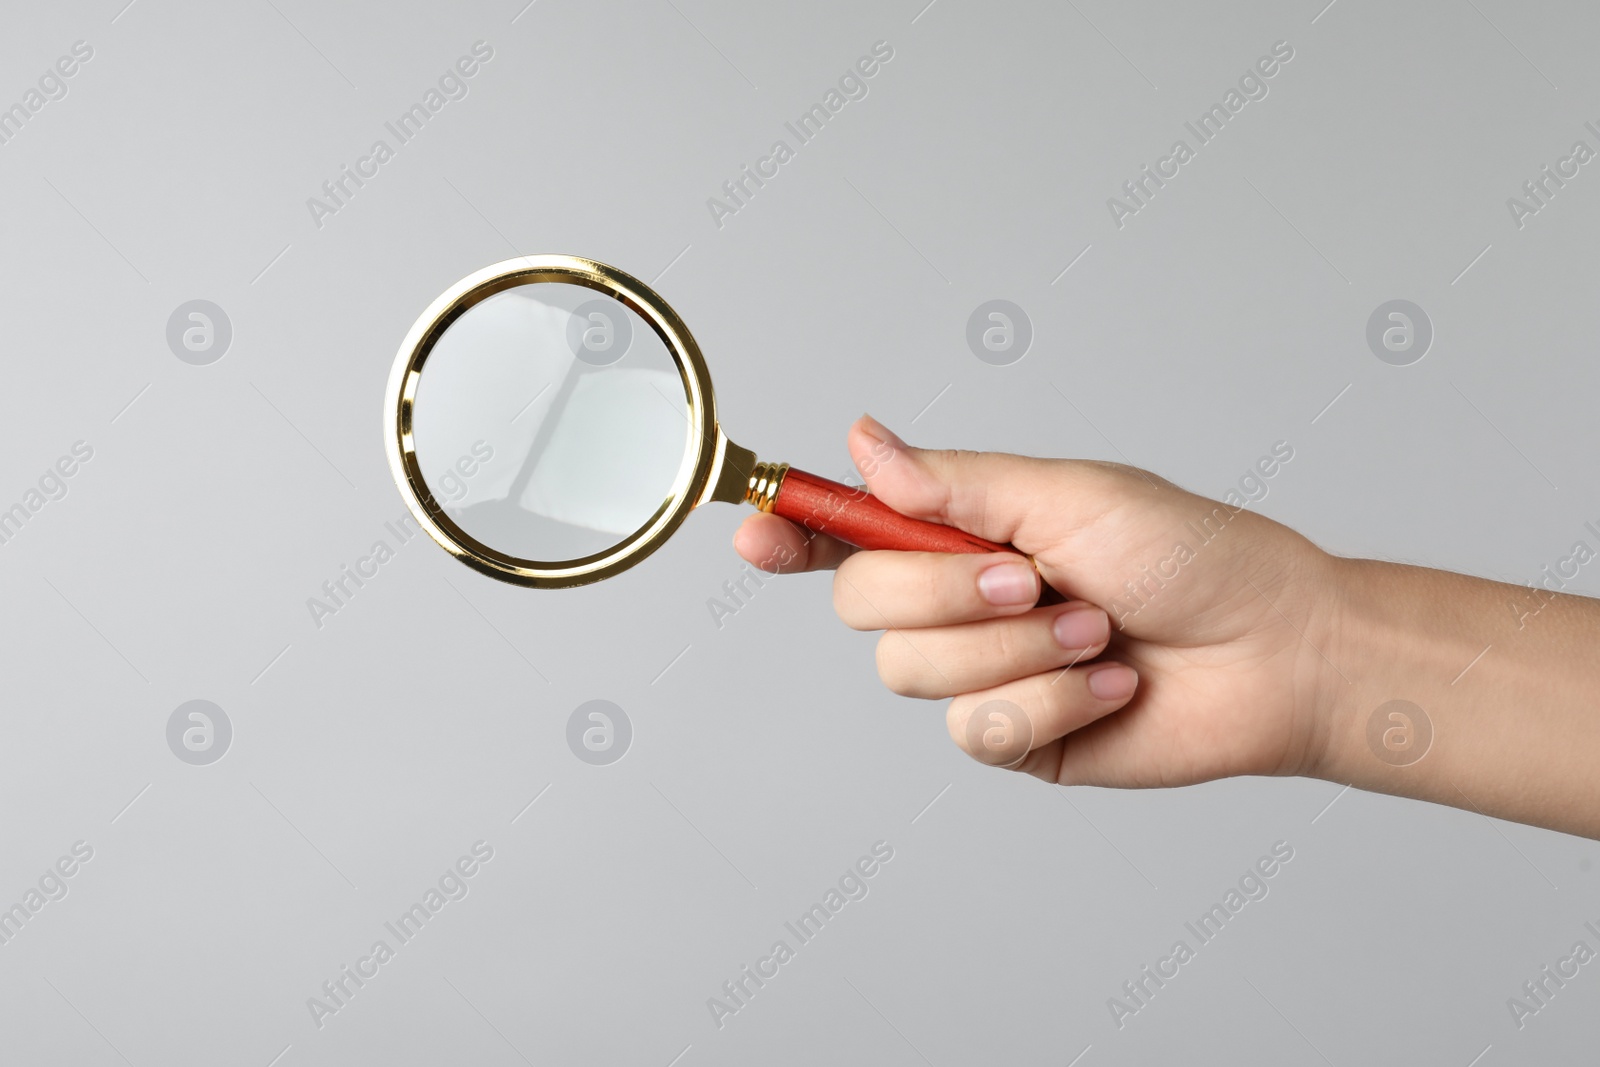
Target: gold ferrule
{"type": "Point", "coordinates": [765, 481]}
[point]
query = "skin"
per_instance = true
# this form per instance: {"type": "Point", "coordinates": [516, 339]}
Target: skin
{"type": "Point", "coordinates": [1249, 652]}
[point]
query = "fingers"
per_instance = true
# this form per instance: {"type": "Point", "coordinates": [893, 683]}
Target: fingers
{"type": "Point", "coordinates": [979, 492]}
{"type": "Point", "coordinates": [886, 590]}
{"type": "Point", "coordinates": [1001, 497]}
{"type": "Point", "coordinates": [946, 660]}
{"type": "Point", "coordinates": [778, 545]}
{"type": "Point", "coordinates": [1001, 725]}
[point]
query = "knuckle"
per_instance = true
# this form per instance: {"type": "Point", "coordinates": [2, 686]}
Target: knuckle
{"type": "Point", "coordinates": [1126, 477]}
{"type": "Point", "coordinates": [841, 593]}
{"type": "Point", "coordinates": [903, 674]}
{"type": "Point", "coordinates": [932, 586]}
{"type": "Point", "coordinates": [955, 721]}
{"type": "Point", "coordinates": [1004, 647]}
{"type": "Point", "coordinates": [847, 602]}
{"type": "Point", "coordinates": [850, 601]}
{"type": "Point", "coordinates": [893, 667]}
{"type": "Point", "coordinates": [946, 456]}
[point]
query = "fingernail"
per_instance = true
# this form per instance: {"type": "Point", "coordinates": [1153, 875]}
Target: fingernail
{"type": "Point", "coordinates": [1082, 626]}
{"type": "Point", "coordinates": [1008, 584]}
{"type": "Point", "coordinates": [879, 432]}
{"type": "Point", "coordinates": [1114, 681]}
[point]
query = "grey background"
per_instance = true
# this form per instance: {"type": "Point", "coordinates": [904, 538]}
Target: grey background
{"type": "Point", "coordinates": [369, 754]}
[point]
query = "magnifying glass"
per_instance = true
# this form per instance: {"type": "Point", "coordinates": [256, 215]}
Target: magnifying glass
{"type": "Point", "coordinates": [550, 422]}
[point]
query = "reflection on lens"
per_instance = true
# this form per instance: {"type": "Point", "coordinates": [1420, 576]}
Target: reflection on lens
{"type": "Point", "coordinates": [550, 422]}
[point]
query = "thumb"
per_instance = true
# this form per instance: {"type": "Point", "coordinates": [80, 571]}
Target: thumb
{"type": "Point", "coordinates": [991, 494]}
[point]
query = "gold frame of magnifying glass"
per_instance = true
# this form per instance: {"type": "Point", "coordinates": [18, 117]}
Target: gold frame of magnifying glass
{"type": "Point", "coordinates": [714, 468]}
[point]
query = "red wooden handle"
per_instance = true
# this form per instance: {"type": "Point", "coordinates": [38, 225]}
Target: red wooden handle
{"type": "Point", "coordinates": [856, 516]}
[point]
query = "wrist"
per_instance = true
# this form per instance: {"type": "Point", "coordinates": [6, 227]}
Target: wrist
{"type": "Point", "coordinates": [1388, 646]}
{"type": "Point", "coordinates": [1334, 632]}
{"type": "Point", "coordinates": [1447, 688]}
{"type": "Point", "coordinates": [1443, 693]}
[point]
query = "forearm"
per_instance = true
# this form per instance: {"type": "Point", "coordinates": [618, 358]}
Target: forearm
{"type": "Point", "coordinates": [1508, 678]}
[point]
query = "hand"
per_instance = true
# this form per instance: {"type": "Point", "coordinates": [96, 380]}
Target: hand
{"type": "Point", "coordinates": [1186, 650]}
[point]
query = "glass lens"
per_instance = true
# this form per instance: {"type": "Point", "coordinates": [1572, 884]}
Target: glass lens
{"type": "Point", "coordinates": [551, 422]}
